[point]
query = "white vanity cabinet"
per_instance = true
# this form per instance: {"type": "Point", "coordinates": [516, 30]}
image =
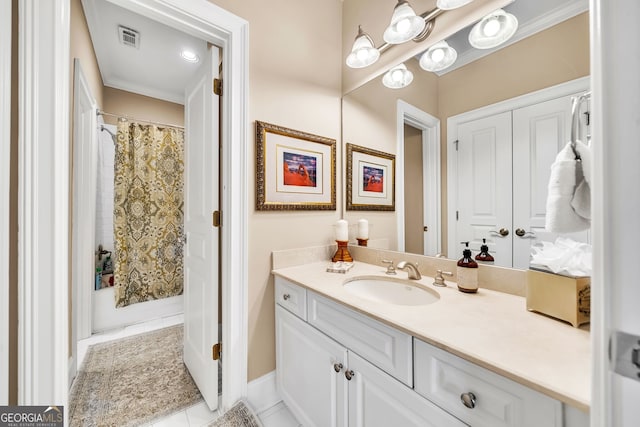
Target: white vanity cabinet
{"type": "Point", "coordinates": [326, 384]}
{"type": "Point", "coordinates": [337, 367]}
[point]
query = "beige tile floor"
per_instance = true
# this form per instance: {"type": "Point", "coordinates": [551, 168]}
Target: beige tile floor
{"type": "Point", "coordinates": [199, 414]}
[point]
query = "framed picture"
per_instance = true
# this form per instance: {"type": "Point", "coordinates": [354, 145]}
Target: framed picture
{"type": "Point", "coordinates": [370, 179]}
{"type": "Point", "coordinates": [294, 170]}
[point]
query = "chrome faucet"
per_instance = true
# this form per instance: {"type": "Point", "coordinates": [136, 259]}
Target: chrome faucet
{"type": "Point", "coordinates": [410, 268]}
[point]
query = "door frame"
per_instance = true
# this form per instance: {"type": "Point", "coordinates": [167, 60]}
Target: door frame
{"type": "Point", "coordinates": [5, 176]}
{"type": "Point", "coordinates": [546, 94]}
{"type": "Point", "coordinates": [44, 250]}
{"type": "Point", "coordinates": [430, 127]}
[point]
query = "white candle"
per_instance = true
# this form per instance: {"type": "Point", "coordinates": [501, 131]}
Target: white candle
{"type": "Point", "coordinates": [363, 229]}
{"type": "Point", "coordinates": [342, 230]}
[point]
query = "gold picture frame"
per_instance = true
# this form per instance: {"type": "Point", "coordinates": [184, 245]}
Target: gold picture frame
{"type": "Point", "coordinates": [294, 170]}
{"type": "Point", "coordinates": [370, 179]}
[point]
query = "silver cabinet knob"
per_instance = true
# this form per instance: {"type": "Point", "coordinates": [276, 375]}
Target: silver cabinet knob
{"type": "Point", "coordinates": [349, 374]}
{"type": "Point", "coordinates": [286, 297]}
{"type": "Point", "coordinates": [468, 400]}
{"type": "Point", "coordinates": [337, 366]}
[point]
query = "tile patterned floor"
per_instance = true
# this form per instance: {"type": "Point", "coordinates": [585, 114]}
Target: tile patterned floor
{"type": "Point", "coordinates": [199, 414]}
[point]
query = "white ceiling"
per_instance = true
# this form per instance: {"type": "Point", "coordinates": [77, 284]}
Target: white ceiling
{"type": "Point", "coordinates": [155, 69]}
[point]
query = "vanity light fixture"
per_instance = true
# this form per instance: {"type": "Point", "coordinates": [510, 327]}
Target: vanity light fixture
{"type": "Point", "coordinates": [397, 77]}
{"type": "Point", "coordinates": [363, 53]}
{"type": "Point", "coordinates": [493, 30]}
{"type": "Point", "coordinates": [438, 57]}
{"type": "Point", "coordinates": [189, 56]}
{"type": "Point", "coordinates": [405, 24]}
{"type": "Point", "coordinates": [451, 4]}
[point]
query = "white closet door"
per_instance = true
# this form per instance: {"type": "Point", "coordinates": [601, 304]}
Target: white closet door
{"type": "Point", "coordinates": [484, 186]}
{"type": "Point", "coordinates": [540, 131]}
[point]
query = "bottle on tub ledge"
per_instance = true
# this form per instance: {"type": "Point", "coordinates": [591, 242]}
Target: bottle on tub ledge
{"type": "Point", "coordinates": [467, 271]}
{"type": "Point", "coordinates": [484, 256]}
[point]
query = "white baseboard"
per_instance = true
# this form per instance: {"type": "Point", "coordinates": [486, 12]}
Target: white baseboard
{"type": "Point", "coordinates": [262, 392]}
{"type": "Point", "coordinates": [72, 370]}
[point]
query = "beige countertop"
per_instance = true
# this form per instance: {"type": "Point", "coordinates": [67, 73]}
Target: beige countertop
{"type": "Point", "coordinates": [489, 328]}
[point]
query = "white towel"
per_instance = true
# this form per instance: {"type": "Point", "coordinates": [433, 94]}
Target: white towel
{"type": "Point", "coordinates": [561, 216]}
{"type": "Point", "coordinates": [581, 202]}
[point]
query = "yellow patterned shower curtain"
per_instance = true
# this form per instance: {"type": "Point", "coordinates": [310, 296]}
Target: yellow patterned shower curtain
{"type": "Point", "coordinates": [148, 212]}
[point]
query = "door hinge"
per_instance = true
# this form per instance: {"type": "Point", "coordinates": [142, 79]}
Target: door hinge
{"type": "Point", "coordinates": [456, 143]}
{"type": "Point", "coordinates": [457, 215]}
{"type": "Point", "coordinates": [217, 219]}
{"type": "Point", "coordinates": [217, 86]}
{"type": "Point", "coordinates": [216, 351]}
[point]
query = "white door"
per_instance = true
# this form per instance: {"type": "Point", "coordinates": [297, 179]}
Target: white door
{"type": "Point", "coordinates": [540, 131]}
{"type": "Point", "coordinates": [201, 248]}
{"type": "Point", "coordinates": [379, 400]}
{"type": "Point", "coordinates": [85, 165]}
{"type": "Point", "coordinates": [484, 186]}
{"type": "Point", "coordinates": [310, 372]}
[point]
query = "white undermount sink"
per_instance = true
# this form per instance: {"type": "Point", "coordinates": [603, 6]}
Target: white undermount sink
{"type": "Point", "coordinates": [390, 290]}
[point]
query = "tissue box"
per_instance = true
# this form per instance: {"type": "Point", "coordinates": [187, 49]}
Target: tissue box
{"type": "Point", "coordinates": [563, 297]}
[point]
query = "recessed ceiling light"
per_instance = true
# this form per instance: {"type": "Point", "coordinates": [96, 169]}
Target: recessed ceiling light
{"type": "Point", "coordinates": [189, 55]}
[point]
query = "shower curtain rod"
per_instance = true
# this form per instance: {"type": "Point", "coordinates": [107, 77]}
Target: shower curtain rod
{"type": "Point", "coordinates": [124, 116]}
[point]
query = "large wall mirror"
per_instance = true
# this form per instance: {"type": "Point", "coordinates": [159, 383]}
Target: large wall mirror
{"type": "Point", "coordinates": [550, 48]}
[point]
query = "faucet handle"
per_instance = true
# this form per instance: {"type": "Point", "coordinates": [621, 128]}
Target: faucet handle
{"type": "Point", "coordinates": [439, 279]}
{"type": "Point", "coordinates": [391, 270]}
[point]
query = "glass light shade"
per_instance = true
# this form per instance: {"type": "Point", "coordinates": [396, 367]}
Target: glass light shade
{"type": "Point", "coordinates": [363, 52]}
{"type": "Point", "coordinates": [438, 57]}
{"type": "Point", "coordinates": [493, 30]}
{"type": "Point", "coordinates": [405, 24]}
{"type": "Point", "coordinates": [451, 4]}
{"type": "Point", "coordinates": [397, 77]}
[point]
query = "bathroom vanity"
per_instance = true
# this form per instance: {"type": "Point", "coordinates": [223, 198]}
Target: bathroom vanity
{"type": "Point", "coordinates": [344, 359]}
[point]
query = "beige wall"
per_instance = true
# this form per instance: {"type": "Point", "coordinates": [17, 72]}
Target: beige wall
{"type": "Point", "coordinates": [82, 48]}
{"type": "Point", "coordinates": [413, 192]}
{"type": "Point", "coordinates": [294, 79]}
{"type": "Point", "coordinates": [141, 107]}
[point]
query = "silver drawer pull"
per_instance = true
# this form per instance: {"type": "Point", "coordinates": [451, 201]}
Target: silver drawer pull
{"type": "Point", "coordinates": [468, 400]}
{"type": "Point", "coordinates": [337, 367]}
{"type": "Point", "coordinates": [286, 297]}
{"type": "Point", "coordinates": [349, 374]}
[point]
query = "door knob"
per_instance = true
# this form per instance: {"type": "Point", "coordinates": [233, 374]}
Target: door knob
{"type": "Point", "coordinates": [286, 297]}
{"type": "Point", "coordinates": [521, 233]}
{"type": "Point", "coordinates": [503, 232]}
{"type": "Point", "coordinates": [468, 400]}
{"type": "Point", "coordinates": [349, 374]}
{"type": "Point", "coordinates": [337, 366]}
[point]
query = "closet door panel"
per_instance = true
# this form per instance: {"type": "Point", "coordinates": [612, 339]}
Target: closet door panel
{"type": "Point", "coordinates": [484, 185]}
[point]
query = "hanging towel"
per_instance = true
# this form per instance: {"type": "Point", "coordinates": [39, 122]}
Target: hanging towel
{"type": "Point", "coordinates": [581, 201]}
{"type": "Point", "coordinates": [563, 183]}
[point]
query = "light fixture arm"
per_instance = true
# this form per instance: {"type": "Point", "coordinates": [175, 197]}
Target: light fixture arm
{"type": "Point", "coordinates": [429, 19]}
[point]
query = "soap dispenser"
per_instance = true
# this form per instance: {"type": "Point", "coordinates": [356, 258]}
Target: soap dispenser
{"type": "Point", "coordinates": [484, 255]}
{"type": "Point", "coordinates": [467, 271]}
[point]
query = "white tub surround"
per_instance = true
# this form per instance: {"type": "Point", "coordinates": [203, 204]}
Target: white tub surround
{"type": "Point", "coordinates": [491, 329]}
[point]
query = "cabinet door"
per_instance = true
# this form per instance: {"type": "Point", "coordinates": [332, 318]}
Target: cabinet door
{"type": "Point", "coordinates": [484, 186]}
{"type": "Point", "coordinates": [540, 131]}
{"type": "Point", "coordinates": [378, 400]}
{"type": "Point", "coordinates": [306, 376]}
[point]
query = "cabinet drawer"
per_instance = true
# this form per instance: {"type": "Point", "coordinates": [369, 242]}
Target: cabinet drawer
{"type": "Point", "coordinates": [292, 297]}
{"type": "Point", "coordinates": [499, 402]}
{"type": "Point", "coordinates": [385, 347]}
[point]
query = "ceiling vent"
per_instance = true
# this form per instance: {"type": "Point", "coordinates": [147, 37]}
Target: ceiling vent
{"type": "Point", "coordinates": [129, 37]}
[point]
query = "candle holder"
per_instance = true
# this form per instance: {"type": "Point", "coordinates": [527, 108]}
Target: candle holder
{"type": "Point", "coordinates": [362, 242]}
{"type": "Point", "coordinates": [342, 254]}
